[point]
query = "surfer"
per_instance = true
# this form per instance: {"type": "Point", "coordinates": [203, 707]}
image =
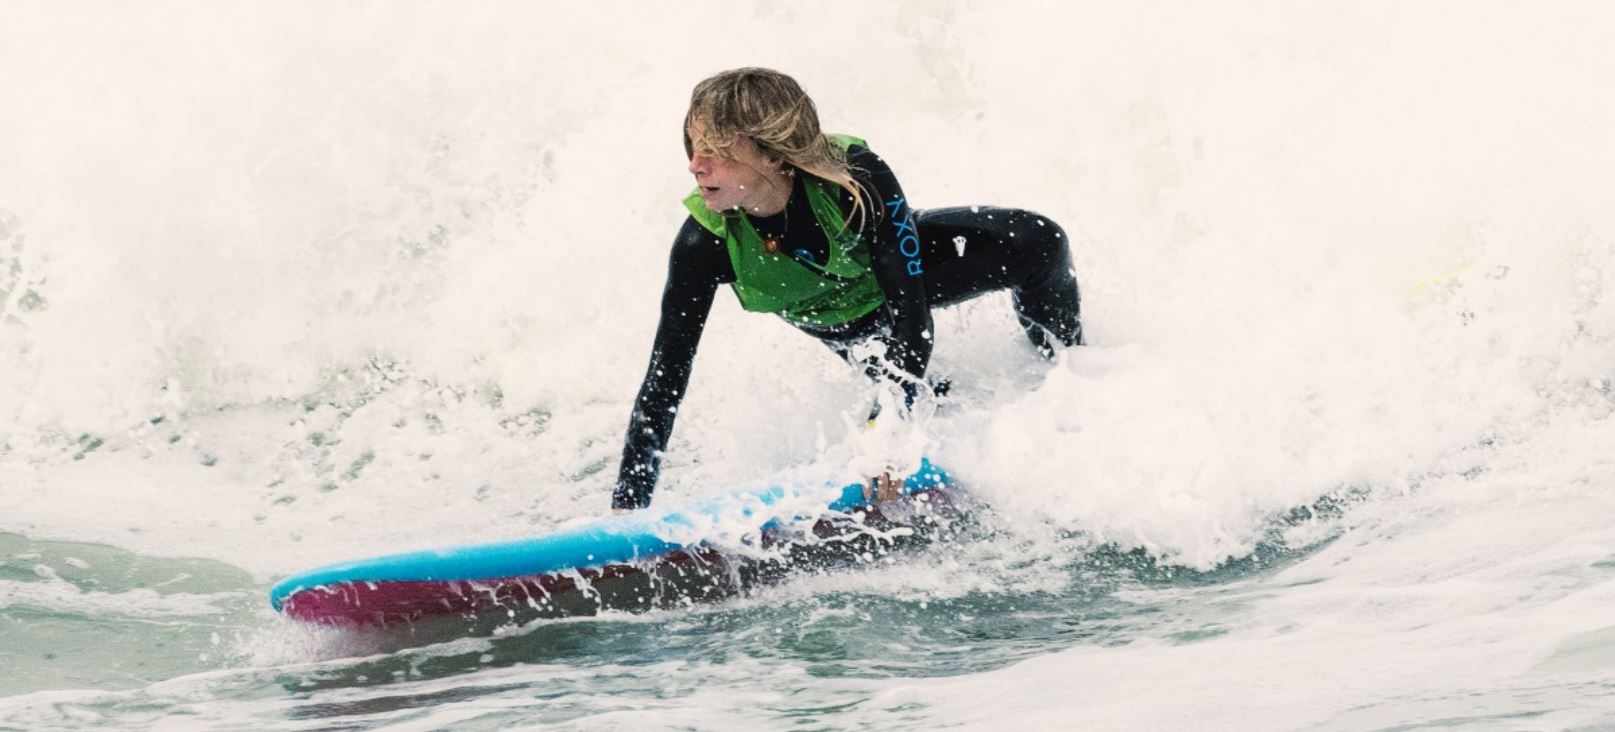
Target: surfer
{"type": "Point", "coordinates": [816, 229]}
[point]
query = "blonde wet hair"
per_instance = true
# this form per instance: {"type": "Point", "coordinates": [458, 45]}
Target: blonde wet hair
{"type": "Point", "coordinates": [771, 109]}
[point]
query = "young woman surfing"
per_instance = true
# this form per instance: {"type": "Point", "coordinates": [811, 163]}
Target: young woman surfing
{"type": "Point", "coordinates": [814, 228]}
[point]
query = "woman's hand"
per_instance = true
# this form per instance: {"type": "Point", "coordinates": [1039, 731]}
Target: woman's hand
{"type": "Point", "coordinates": [883, 488]}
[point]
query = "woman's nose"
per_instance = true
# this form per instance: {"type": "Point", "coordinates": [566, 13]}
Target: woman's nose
{"type": "Point", "coordinates": [699, 165]}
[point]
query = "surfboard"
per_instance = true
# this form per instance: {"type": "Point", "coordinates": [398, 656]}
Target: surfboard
{"type": "Point", "coordinates": [649, 558]}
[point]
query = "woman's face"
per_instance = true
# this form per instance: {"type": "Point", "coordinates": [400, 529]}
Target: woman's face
{"type": "Point", "coordinates": [742, 176]}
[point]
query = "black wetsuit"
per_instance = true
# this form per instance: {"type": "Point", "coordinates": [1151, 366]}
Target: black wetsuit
{"type": "Point", "coordinates": [963, 252]}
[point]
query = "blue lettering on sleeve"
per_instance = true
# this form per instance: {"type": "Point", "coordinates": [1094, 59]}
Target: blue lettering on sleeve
{"type": "Point", "coordinates": [908, 238]}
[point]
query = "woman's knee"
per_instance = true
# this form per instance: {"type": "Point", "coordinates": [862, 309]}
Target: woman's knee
{"type": "Point", "coordinates": [1032, 230]}
{"type": "Point", "coordinates": [1042, 248]}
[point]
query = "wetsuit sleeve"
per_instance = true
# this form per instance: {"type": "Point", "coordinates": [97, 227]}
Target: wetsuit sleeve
{"type": "Point", "coordinates": [895, 254]}
{"type": "Point", "coordinates": [696, 267]}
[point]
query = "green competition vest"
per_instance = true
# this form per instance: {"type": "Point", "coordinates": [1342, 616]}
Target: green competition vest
{"type": "Point", "coordinates": [838, 291]}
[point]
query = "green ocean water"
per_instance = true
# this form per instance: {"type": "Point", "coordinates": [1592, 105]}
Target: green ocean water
{"type": "Point", "coordinates": [79, 615]}
{"type": "Point", "coordinates": [137, 642]}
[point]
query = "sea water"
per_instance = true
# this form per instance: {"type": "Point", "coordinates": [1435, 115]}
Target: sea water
{"type": "Point", "coordinates": [283, 284]}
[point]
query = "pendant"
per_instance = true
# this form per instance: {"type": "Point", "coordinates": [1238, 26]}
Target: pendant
{"type": "Point", "coordinates": [771, 245]}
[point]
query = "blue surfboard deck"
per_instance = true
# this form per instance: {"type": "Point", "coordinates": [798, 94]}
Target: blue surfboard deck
{"type": "Point", "coordinates": [627, 539]}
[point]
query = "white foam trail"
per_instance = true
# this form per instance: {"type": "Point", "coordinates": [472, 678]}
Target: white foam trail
{"type": "Point", "coordinates": [57, 596]}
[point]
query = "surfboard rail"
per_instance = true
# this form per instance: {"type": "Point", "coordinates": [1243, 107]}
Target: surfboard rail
{"type": "Point", "coordinates": [636, 553]}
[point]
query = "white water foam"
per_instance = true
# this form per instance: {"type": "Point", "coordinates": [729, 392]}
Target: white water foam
{"type": "Point", "coordinates": [284, 286]}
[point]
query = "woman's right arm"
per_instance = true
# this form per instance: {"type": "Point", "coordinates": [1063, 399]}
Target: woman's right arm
{"type": "Point", "coordinates": [698, 264]}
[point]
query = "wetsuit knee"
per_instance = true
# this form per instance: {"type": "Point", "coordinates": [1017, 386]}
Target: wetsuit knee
{"type": "Point", "coordinates": [1047, 301]}
{"type": "Point", "coordinates": [1045, 251]}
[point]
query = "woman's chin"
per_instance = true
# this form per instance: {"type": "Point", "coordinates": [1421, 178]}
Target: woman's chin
{"type": "Point", "coordinates": [718, 202]}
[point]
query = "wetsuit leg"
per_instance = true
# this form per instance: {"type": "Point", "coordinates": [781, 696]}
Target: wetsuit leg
{"type": "Point", "coordinates": [970, 251]}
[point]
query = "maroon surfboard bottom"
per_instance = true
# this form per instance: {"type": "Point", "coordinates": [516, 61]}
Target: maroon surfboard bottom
{"type": "Point", "coordinates": [676, 578]}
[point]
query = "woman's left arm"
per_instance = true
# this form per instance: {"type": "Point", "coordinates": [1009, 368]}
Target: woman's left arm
{"type": "Point", "coordinates": [895, 254]}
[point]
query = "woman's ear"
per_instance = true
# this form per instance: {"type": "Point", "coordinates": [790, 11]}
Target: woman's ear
{"type": "Point", "coordinates": [774, 160]}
